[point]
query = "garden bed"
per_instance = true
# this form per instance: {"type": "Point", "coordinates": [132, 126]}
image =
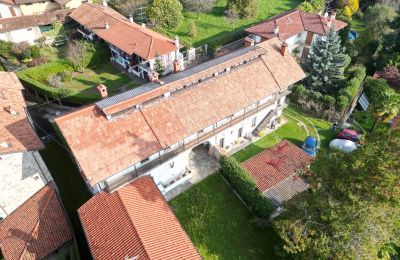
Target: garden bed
{"type": "Point", "coordinates": [78, 87]}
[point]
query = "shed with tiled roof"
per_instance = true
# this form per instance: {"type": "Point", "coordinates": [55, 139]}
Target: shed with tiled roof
{"type": "Point", "coordinates": [275, 171]}
{"type": "Point", "coordinates": [134, 222]}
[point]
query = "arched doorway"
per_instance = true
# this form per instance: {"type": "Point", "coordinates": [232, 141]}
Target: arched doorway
{"type": "Point", "coordinates": [201, 162]}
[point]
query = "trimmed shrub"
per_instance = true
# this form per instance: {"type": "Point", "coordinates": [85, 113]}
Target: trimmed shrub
{"type": "Point", "coordinates": [35, 51]}
{"type": "Point", "coordinates": [66, 76]}
{"type": "Point", "coordinates": [5, 49]}
{"type": "Point", "coordinates": [245, 187]}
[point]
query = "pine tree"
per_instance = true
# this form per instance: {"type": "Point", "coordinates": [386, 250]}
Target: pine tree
{"type": "Point", "coordinates": [326, 63]}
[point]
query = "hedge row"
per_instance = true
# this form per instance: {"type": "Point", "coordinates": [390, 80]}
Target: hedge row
{"type": "Point", "coordinates": [245, 186]}
{"type": "Point", "coordinates": [357, 74]}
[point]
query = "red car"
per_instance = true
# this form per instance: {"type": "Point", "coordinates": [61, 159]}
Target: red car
{"type": "Point", "coordinates": [349, 135]}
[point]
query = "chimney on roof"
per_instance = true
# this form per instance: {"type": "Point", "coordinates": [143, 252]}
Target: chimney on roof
{"type": "Point", "coordinates": [276, 30]}
{"type": "Point", "coordinates": [326, 14]}
{"type": "Point", "coordinates": [320, 13]}
{"type": "Point", "coordinates": [329, 22]}
{"type": "Point", "coordinates": [154, 77]}
{"type": "Point", "coordinates": [284, 48]}
{"type": "Point", "coordinates": [130, 18]}
{"type": "Point", "coordinates": [177, 66]}
{"type": "Point", "coordinates": [248, 42]}
{"type": "Point", "coordinates": [11, 110]}
{"type": "Point", "coordinates": [106, 26]}
{"type": "Point", "coordinates": [333, 14]}
{"type": "Point", "coordinates": [105, 4]}
{"type": "Point", "coordinates": [102, 91]}
{"type": "Point", "coordinates": [143, 25]}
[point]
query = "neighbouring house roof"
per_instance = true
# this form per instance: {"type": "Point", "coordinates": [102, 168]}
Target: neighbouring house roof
{"type": "Point", "coordinates": [62, 2]}
{"type": "Point", "coordinates": [16, 133]}
{"type": "Point", "coordinates": [10, 2]}
{"type": "Point", "coordinates": [294, 22]}
{"type": "Point", "coordinates": [129, 37]}
{"type": "Point", "coordinates": [37, 228]}
{"type": "Point", "coordinates": [29, 21]}
{"type": "Point", "coordinates": [134, 221]}
{"type": "Point", "coordinates": [103, 147]}
{"type": "Point", "coordinates": [274, 171]}
{"type": "Point", "coordinates": [21, 2]}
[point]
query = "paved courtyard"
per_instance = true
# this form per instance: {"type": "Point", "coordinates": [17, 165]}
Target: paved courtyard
{"type": "Point", "coordinates": [201, 164]}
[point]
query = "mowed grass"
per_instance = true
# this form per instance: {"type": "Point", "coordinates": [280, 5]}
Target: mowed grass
{"type": "Point", "coordinates": [215, 26]}
{"type": "Point", "coordinates": [86, 82]}
{"type": "Point", "coordinates": [292, 131]}
{"type": "Point", "coordinates": [219, 225]}
{"type": "Point", "coordinates": [73, 190]}
{"type": "Point", "coordinates": [358, 24]}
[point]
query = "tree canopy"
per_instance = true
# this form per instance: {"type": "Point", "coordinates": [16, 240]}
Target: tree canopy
{"type": "Point", "coordinates": [326, 63]}
{"type": "Point", "coordinates": [378, 19]}
{"type": "Point", "coordinates": [165, 13]}
{"type": "Point", "coordinates": [243, 8]}
{"type": "Point", "coordinates": [353, 208]}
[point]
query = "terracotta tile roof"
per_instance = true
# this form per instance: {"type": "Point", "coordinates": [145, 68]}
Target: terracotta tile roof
{"type": "Point", "coordinates": [104, 147]}
{"type": "Point", "coordinates": [129, 37]}
{"type": "Point", "coordinates": [10, 2]}
{"type": "Point", "coordinates": [36, 229]}
{"type": "Point", "coordinates": [16, 133]}
{"type": "Point", "coordinates": [134, 221]}
{"type": "Point", "coordinates": [294, 22]}
{"type": "Point", "coordinates": [28, 21]}
{"type": "Point", "coordinates": [276, 164]}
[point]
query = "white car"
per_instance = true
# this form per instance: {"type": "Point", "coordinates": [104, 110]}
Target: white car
{"type": "Point", "coordinates": [346, 146]}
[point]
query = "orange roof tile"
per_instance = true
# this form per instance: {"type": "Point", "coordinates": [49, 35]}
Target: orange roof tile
{"type": "Point", "coordinates": [104, 147]}
{"type": "Point", "coordinates": [134, 221]}
{"type": "Point", "coordinates": [294, 22]}
{"type": "Point", "coordinates": [129, 37]}
{"type": "Point", "coordinates": [16, 133]}
{"type": "Point", "coordinates": [276, 164]}
{"type": "Point", "coordinates": [36, 229]}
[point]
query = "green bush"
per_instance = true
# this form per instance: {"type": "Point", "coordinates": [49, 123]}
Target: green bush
{"type": "Point", "coordinates": [245, 186]}
{"type": "Point", "coordinates": [5, 49]}
{"type": "Point", "coordinates": [66, 76]}
{"type": "Point", "coordinates": [42, 88]}
{"type": "Point", "coordinates": [35, 51]}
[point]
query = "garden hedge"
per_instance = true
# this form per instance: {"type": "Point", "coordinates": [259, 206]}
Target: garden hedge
{"type": "Point", "coordinates": [245, 186]}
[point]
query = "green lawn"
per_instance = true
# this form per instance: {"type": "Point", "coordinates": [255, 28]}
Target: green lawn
{"type": "Point", "coordinates": [72, 189]}
{"type": "Point", "coordinates": [219, 225]}
{"type": "Point", "coordinates": [215, 27]}
{"type": "Point", "coordinates": [85, 82]}
{"type": "Point", "coordinates": [291, 131]}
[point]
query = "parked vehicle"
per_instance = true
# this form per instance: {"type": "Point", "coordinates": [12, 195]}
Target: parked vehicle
{"type": "Point", "coordinates": [310, 145]}
{"type": "Point", "coordinates": [346, 146]}
{"type": "Point", "coordinates": [349, 135]}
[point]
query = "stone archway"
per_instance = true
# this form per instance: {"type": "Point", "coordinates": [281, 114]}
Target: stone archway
{"type": "Point", "coordinates": [201, 162]}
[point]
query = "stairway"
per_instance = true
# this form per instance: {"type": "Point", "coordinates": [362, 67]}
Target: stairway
{"type": "Point", "coordinates": [263, 124]}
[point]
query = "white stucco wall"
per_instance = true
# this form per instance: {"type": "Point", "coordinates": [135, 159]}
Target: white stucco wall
{"type": "Point", "coordinates": [39, 8]}
{"type": "Point", "coordinates": [73, 4]}
{"type": "Point", "coordinates": [21, 176]}
{"type": "Point", "coordinates": [5, 10]}
{"type": "Point", "coordinates": [29, 35]}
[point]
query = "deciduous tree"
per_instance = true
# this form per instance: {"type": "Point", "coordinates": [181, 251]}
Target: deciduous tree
{"type": "Point", "coordinates": [352, 209]}
{"type": "Point", "coordinates": [244, 8]}
{"type": "Point", "coordinates": [378, 19]}
{"type": "Point", "coordinates": [165, 13]}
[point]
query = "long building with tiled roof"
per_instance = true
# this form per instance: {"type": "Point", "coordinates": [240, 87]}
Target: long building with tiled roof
{"type": "Point", "coordinates": [151, 129]}
{"type": "Point", "coordinates": [134, 222]}
{"type": "Point", "coordinates": [298, 29]}
{"type": "Point", "coordinates": [131, 44]}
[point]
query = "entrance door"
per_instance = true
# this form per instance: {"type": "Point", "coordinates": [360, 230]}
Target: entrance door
{"type": "Point", "coordinates": [222, 142]}
{"type": "Point", "coordinates": [240, 132]}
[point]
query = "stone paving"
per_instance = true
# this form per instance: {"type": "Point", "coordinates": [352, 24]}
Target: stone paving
{"type": "Point", "coordinates": [201, 164]}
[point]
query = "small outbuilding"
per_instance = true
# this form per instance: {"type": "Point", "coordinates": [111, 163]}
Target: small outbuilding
{"type": "Point", "coordinates": [276, 169]}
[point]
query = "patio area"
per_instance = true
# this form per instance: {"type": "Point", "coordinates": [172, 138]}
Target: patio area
{"type": "Point", "coordinates": [201, 165]}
